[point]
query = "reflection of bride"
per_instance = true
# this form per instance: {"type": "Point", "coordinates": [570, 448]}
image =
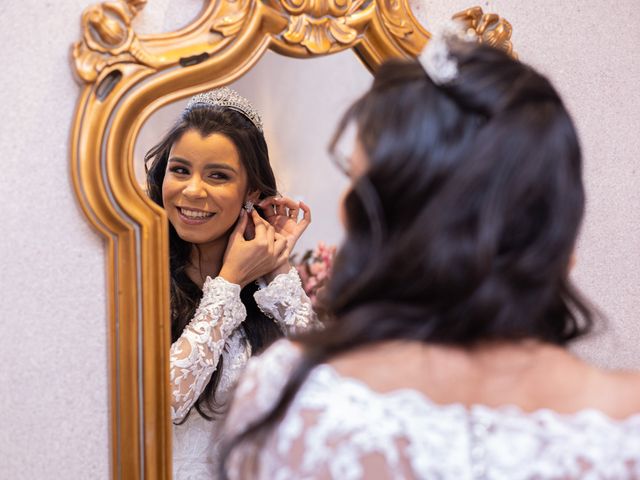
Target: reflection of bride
{"type": "Point", "coordinates": [207, 173]}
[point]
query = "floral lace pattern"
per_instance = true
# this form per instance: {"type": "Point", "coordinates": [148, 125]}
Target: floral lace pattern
{"type": "Point", "coordinates": [213, 333]}
{"type": "Point", "coordinates": [195, 355]}
{"type": "Point", "coordinates": [286, 302]}
{"type": "Point", "coordinates": [337, 427]}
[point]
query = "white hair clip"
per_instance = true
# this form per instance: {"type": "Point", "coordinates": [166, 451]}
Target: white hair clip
{"type": "Point", "coordinates": [436, 58]}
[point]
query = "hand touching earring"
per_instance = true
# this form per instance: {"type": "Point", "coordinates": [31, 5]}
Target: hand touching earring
{"type": "Point", "coordinates": [245, 260]}
{"type": "Point", "coordinates": [283, 214]}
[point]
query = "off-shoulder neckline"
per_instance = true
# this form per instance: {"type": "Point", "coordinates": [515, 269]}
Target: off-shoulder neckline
{"type": "Point", "coordinates": [479, 408]}
{"type": "Point", "coordinates": [476, 408]}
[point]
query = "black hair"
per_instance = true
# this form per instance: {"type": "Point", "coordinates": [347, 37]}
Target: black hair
{"type": "Point", "coordinates": [185, 294]}
{"type": "Point", "coordinates": [462, 227]}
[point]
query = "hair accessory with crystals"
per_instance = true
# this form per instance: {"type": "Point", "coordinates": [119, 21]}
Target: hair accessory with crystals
{"type": "Point", "coordinates": [228, 98]}
{"type": "Point", "coordinates": [436, 58]}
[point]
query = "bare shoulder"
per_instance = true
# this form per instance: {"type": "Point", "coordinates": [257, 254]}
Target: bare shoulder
{"type": "Point", "coordinates": [617, 391]}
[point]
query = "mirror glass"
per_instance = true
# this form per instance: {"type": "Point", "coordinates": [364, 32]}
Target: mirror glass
{"type": "Point", "coordinates": [300, 101]}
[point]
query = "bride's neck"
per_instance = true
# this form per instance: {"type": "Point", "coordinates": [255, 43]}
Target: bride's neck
{"type": "Point", "coordinates": [206, 260]}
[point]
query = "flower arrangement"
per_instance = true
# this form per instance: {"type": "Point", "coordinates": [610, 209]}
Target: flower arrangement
{"type": "Point", "coordinates": [314, 268]}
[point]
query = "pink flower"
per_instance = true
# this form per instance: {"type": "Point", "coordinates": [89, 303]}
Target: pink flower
{"type": "Point", "coordinates": [314, 268]}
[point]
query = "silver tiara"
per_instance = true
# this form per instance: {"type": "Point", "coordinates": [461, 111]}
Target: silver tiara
{"type": "Point", "coordinates": [227, 98]}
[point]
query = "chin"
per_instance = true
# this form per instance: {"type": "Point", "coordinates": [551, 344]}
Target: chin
{"type": "Point", "coordinates": [198, 236]}
{"type": "Point", "coordinates": [195, 237]}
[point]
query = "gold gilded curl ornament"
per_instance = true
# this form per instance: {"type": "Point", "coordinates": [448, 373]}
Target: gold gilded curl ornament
{"type": "Point", "coordinates": [320, 24]}
{"type": "Point", "coordinates": [489, 28]}
{"type": "Point", "coordinates": [108, 39]}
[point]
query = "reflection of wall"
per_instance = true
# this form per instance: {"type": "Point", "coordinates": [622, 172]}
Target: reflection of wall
{"type": "Point", "coordinates": [300, 102]}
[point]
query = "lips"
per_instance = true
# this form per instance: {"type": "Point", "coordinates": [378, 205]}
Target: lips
{"type": "Point", "coordinates": [193, 216]}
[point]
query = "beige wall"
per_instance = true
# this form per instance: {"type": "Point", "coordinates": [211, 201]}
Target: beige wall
{"type": "Point", "coordinates": [591, 51]}
{"type": "Point", "coordinates": [53, 358]}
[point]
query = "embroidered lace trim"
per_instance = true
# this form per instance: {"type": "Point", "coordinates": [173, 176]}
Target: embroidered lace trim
{"type": "Point", "coordinates": [286, 302]}
{"type": "Point", "coordinates": [337, 427]}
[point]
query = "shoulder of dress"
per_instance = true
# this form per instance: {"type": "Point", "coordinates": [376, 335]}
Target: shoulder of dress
{"type": "Point", "coordinates": [261, 384]}
{"type": "Point", "coordinates": [276, 361]}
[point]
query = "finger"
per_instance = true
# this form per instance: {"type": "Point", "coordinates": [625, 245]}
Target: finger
{"type": "Point", "coordinates": [259, 222]}
{"type": "Point", "coordinates": [241, 225]}
{"type": "Point", "coordinates": [271, 238]}
{"type": "Point", "coordinates": [306, 218]}
{"type": "Point", "coordinates": [292, 206]}
{"type": "Point", "coordinates": [262, 221]}
{"type": "Point", "coordinates": [288, 202]}
{"type": "Point", "coordinates": [280, 207]}
{"type": "Point", "coordinates": [266, 202]}
{"type": "Point", "coordinates": [293, 213]}
{"type": "Point", "coordinates": [267, 205]}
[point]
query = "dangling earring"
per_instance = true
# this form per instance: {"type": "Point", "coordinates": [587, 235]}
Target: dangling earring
{"type": "Point", "coordinates": [248, 206]}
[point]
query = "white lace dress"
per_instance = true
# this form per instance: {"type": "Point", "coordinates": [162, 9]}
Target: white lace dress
{"type": "Point", "coordinates": [214, 333]}
{"type": "Point", "coordinates": [339, 428]}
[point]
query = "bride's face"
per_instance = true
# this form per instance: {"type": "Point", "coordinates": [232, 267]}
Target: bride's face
{"type": "Point", "coordinates": [204, 187]}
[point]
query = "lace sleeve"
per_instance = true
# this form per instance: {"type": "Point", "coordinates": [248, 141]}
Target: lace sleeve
{"type": "Point", "coordinates": [286, 302]}
{"type": "Point", "coordinates": [195, 355]}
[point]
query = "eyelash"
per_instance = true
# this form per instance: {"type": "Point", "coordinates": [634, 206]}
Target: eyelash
{"type": "Point", "coordinates": [213, 175]}
{"type": "Point", "coordinates": [179, 170]}
{"type": "Point", "coordinates": [219, 176]}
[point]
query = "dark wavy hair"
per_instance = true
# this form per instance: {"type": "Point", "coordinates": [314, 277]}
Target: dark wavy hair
{"type": "Point", "coordinates": [185, 294]}
{"type": "Point", "coordinates": [462, 228]}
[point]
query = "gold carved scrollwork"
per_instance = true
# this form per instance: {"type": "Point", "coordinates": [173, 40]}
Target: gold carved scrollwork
{"type": "Point", "coordinates": [108, 39]}
{"type": "Point", "coordinates": [395, 19]}
{"type": "Point", "coordinates": [490, 28]}
{"type": "Point", "coordinates": [318, 25]}
{"type": "Point", "coordinates": [230, 17]}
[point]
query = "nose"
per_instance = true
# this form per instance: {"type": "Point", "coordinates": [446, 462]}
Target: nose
{"type": "Point", "coordinates": [194, 189]}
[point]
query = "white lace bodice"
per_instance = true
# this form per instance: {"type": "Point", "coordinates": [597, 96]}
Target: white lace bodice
{"type": "Point", "coordinates": [339, 428]}
{"type": "Point", "coordinates": [213, 333]}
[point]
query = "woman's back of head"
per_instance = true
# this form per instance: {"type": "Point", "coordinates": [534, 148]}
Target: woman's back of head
{"type": "Point", "coordinates": [462, 227]}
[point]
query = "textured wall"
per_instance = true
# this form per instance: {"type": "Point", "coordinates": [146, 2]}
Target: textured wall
{"type": "Point", "coordinates": [589, 50]}
{"type": "Point", "coordinates": [53, 356]}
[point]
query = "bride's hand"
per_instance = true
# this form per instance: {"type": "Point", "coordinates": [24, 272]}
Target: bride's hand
{"type": "Point", "coordinates": [246, 260]}
{"type": "Point", "coordinates": [282, 213]}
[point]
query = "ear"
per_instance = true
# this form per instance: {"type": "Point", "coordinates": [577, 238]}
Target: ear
{"type": "Point", "coordinates": [253, 196]}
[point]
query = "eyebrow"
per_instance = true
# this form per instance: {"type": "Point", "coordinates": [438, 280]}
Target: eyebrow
{"type": "Point", "coordinates": [222, 166]}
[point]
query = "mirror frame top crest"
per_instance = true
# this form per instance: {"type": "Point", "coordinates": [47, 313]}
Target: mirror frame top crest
{"type": "Point", "coordinates": [124, 78]}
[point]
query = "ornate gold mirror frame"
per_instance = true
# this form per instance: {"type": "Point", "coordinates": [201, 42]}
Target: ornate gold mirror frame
{"type": "Point", "coordinates": [125, 77]}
